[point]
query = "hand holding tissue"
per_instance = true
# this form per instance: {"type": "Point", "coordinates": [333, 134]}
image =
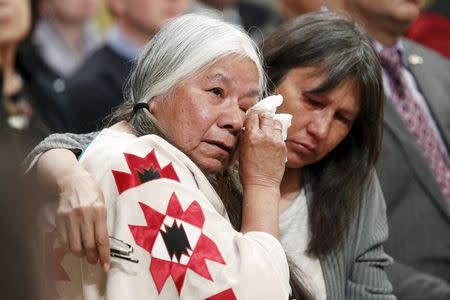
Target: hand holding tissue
{"type": "Point", "coordinates": [269, 105]}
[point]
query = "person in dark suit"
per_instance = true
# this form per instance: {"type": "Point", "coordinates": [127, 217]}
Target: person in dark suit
{"type": "Point", "coordinates": [97, 87]}
{"type": "Point", "coordinates": [414, 175]}
{"type": "Point", "coordinates": [255, 18]}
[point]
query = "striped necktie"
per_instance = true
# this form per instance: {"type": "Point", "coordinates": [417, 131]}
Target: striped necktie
{"type": "Point", "coordinates": [416, 119]}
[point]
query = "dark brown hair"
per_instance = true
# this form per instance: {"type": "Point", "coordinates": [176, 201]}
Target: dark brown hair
{"type": "Point", "coordinates": [340, 49]}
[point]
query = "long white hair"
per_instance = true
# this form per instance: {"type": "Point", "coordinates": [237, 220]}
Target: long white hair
{"type": "Point", "coordinates": [184, 46]}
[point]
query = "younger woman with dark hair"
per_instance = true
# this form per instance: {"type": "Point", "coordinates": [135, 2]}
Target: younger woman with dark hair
{"type": "Point", "coordinates": [330, 78]}
{"type": "Point", "coordinates": [332, 213]}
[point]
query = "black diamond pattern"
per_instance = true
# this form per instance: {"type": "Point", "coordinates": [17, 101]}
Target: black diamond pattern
{"type": "Point", "coordinates": [176, 240]}
{"type": "Point", "coordinates": [148, 175]}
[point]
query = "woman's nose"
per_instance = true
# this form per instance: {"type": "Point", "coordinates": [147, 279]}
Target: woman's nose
{"type": "Point", "coordinates": [232, 118]}
{"type": "Point", "coordinates": [320, 125]}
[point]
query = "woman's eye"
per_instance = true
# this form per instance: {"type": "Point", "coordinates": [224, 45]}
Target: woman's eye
{"type": "Point", "coordinates": [343, 119]}
{"type": "Point", "coordinates": [312, 101]}
{"type": "Point", "coordinates": [217, 91]}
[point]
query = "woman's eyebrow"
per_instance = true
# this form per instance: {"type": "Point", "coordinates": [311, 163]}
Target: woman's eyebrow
{"type": "Point", "coordinates": [222, 78]}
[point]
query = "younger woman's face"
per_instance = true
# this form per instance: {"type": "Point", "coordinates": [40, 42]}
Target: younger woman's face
{"type": "Point", "coordinates": [320, 122]}
{"type": "Point", "coordinates": [15, 21]}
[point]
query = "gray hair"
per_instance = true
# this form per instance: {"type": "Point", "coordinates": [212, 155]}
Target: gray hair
{"type": "Point", "coordinates": [181, 48]}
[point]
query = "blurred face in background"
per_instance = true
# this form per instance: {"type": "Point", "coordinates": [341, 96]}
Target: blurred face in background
{"type": "Point", "coordinates": [147, 16]}
{"type": "Point", "coordinates": [70, 11]}
{"type": "Point", "coordinates": [390, 15]}
{"type": "Point", "coordinates": [15, 21]}
{"type": "Point", "coordinates": [291, 8]}
{"type": "Point", "coordinates": [218, 4]}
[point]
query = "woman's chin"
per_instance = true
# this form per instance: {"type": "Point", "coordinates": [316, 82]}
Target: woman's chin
{"type": "Point", "coordinates": [294, 162]}
{"type": "Point", "coordinates": [213, 166]}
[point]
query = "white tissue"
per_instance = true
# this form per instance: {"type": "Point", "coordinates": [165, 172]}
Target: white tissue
{"type": "Point", "coordinates": [269, 105]}
{"type": "Point", "coordinates": [285, 120]}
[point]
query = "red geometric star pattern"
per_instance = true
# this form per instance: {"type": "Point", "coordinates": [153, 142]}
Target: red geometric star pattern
{"type": "Point", "coordinates": [160, 269]}
{"type": "Point", "coordinates": [225, 295]}
{"type": "Point", "coordinates": [143, 169]}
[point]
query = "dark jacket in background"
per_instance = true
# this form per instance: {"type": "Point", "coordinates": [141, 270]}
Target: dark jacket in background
{"type": "Point", "coordinates": [96, 89]}
{"type": "Point", "coordinates": [258, 20]}
{"type": "Point", "coordinates": [418, 213]}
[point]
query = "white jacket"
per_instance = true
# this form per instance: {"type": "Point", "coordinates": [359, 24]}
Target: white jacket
{"type": "Point", "coordinates": [160, 202]}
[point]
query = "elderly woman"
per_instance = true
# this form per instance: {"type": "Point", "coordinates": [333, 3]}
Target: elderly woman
{"type": "Point", "coordinates": [332, 213]}
{"type": "Point", "coordinates": [168, 225]}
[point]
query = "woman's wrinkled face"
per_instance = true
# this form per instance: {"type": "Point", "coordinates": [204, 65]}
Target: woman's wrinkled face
{"type": "Point", "coordinates": [204, 114]}
{"type": "Point", "coordinates": [15, 21]}
{"type": "Point", "coordinates": [320, 122]}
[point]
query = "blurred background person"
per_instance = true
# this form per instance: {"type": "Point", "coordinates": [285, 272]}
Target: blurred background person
{"type": "Point", "coordinates": [256, 18]}
{"type": "Point", "coordinates": [20, 128]}
{"type": "Point", "coordinates": [292, 8]}
{"type": "Point", "coordinates": [66, 34]}
{"type": "Point", "coordinates": [22, 114]}
{"type": "Point", "coordinates": [414, 166]}
{"type": "Point", "coordinates": [97, 87]}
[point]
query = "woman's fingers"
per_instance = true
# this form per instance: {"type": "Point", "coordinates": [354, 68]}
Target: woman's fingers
{"type": "Point", "coordinates": [265, 122]}
{"type": "Point", "coordinates": [89, 246]}
{"type": "Point", "coordinates": [277, 130]}
{"type": "Point", "coordinates": [81, 218]}
{"type": "Point", "coordinates": [251, 123]}
{"type": "Point", "coordinates": [260, 123]}
{"type": "Point", "coordinates": [262, 152]}
{"type": "Point", "coordinates": [61, 230]}
{"type": "Point", "coordinates": [84, 232]}
{"type": "Point", "coordinates": [74, 235]}
{"type": "Point", "coordinates": [102, 238]}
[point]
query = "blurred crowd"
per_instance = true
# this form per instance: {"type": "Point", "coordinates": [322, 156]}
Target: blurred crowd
{"type": "Point", "coordinates": [65, 64]}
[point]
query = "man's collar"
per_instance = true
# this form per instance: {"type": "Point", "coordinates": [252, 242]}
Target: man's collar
{"type": "Point", "coordinates": [398, 46]}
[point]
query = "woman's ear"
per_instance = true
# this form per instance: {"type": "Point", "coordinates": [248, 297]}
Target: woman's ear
{"type": "Point", "coordinates": [155, 103]}
{"type": "Point", "coordinates": [152, 106]}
